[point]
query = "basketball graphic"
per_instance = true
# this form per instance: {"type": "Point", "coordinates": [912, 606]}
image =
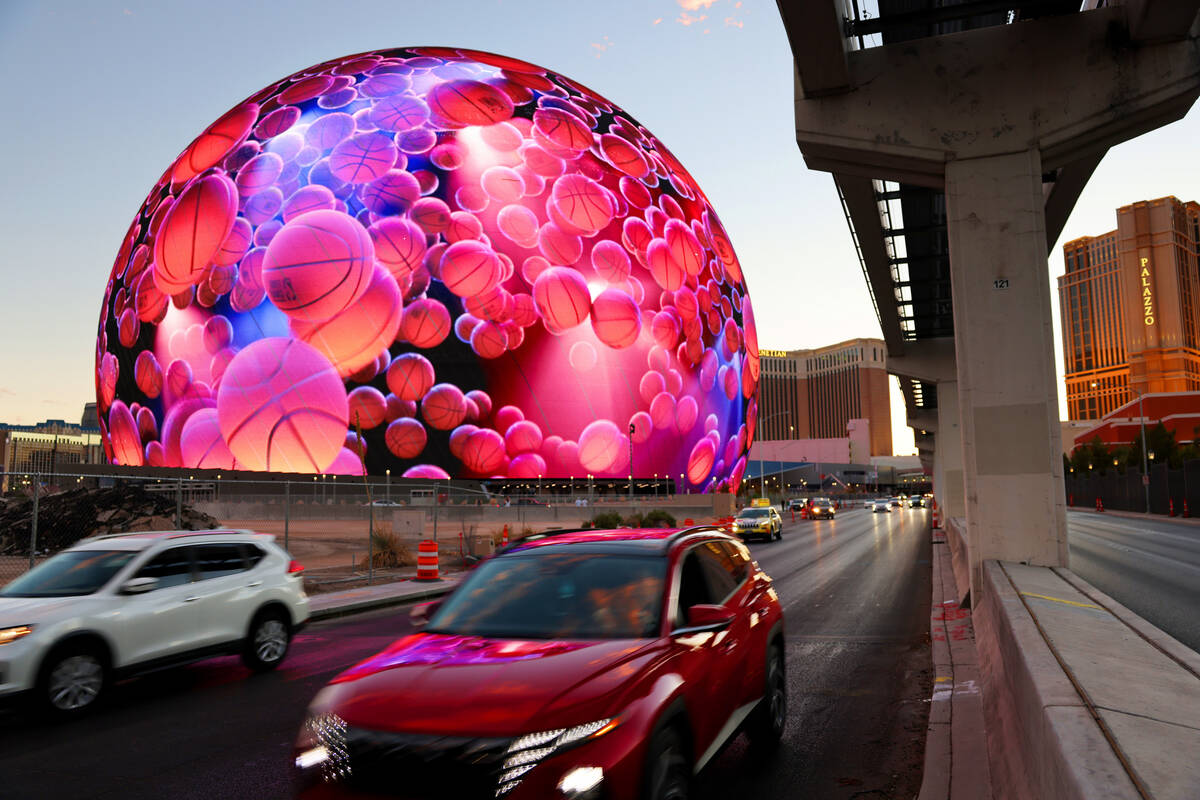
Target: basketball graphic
{"type": "Point", "coordinates": [487, 268]}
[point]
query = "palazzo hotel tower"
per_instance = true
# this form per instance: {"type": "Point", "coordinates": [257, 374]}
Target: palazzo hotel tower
{"type": "Point", "coordinates": [1130, 306]}
{"type": "Point", "coordinates": [813, 394]}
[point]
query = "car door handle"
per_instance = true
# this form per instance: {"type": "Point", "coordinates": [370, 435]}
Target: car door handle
{"type": "Point", "coordinates": [253, 585]}
{"type": "Point", "coordinates": [191, 599]}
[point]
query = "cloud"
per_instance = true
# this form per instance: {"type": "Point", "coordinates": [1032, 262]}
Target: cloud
{"type": "Point", "coordinates": [694, 5]}
{"type": "Point", "coordinates": [127, 12]}
{"type": "Point", "coordinates": [685, 19]}
{"type": "Point", "coordinates": [660, 19]}
{"type": "Point", "coordinates": [7, 392]}
{"type": "Point", "coordinates": [731, 22]}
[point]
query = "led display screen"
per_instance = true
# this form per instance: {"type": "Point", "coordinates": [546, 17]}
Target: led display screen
{"type": "Point", "coordinates": [439, 262]}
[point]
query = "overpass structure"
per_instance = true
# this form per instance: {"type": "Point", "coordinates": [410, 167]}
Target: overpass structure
{"type": "Point", "coordinates": [959, 134]}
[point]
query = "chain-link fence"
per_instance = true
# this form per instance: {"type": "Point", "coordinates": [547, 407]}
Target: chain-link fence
{"type": "Point", "coordinates": [326, 522]}
{"type": "Point", "coordinates": [1164, 490]}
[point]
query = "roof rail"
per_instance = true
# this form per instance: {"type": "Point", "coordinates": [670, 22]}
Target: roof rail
{"type": "Point", "coordinates": [693, 529]}
{"type": "Point", "coordinates": [541, 535]}
{"type": "Point", "coordinates": [167, 534]}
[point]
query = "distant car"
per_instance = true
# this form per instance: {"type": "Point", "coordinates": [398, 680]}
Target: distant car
{"type": "Point", "coordinates": [114, 606]}
{"type": "Point", "coordinates": [822, 507]}
{"type": "Point", "coordinates": [761, 522]}
{"type": "Point", "coordinates": [385, 503]}
{"type": "Point", "coordinates": [897, 502]}
{"type": "Point", "coordinates": [796, 504]}
{"type": "Point", "coordinates": [916, 502]}
{"type": "Point", "coordinates": [594, 664]}
{"type": "Point", "coordinates": [868, 504]}
{"type": "Point", "coordinates": [883, 504]}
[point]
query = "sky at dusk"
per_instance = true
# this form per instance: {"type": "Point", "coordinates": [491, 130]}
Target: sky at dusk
{"type": "Point", "coordinates": [101, 96]}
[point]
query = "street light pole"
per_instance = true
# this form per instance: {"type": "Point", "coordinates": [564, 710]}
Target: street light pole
{"type": "Point", "coordinates": [631, 428]}
{"type": "Point", "coordinates": [1145, 466]}
{"type": "Point", "coordinates": [762, 471]}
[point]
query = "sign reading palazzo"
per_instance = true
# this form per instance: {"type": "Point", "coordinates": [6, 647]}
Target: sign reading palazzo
{"type": "Point", "coordinates": [1147, 291]}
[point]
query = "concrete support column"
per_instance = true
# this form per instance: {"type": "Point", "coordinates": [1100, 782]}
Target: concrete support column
{"type": "Point", "coordinates": [948, 454]}
{"type": "Point", "coordinates": [1008, 402]}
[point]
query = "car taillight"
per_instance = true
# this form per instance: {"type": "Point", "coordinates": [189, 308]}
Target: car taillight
{"type": "Point", "coordinates": [295, 567]}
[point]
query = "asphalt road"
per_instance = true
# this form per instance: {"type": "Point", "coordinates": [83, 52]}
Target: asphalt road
{"type": "Point", "coordinates": [1151, 566]}
{"type": "Point", "coordinates": [856, 592]}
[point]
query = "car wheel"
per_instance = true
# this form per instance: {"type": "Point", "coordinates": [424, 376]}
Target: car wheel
{"type": "Point", "coordinates": [668, 775]}
{"type": "Point", "coordinates": [72, 680]}
{"type": "Point", "coordinates": [268, 642]}
{"type": "Point", "coordinates": [779, 533]}
{"type": "Point", "coordinates": [770, 718]}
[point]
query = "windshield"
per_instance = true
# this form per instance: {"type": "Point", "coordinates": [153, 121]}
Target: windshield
{"type": "Point", "coordinates": [754, 512]}
{"type": "Point", "coordinates": [822, 503]}
{"type": "Point", "coordinates": [75, 572]}
{"type": "Point", "coordinates": [557, 596]}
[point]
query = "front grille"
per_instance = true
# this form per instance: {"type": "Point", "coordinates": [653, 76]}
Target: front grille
{"type": "Point", "coordinates": [420, 766]}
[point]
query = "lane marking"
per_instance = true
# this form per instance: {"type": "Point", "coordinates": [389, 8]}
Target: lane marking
{"type": "Point", "coordinates": [1061, 600]}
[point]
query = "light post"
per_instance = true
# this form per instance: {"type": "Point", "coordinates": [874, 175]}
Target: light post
{"type": "Point", "coordinates": [655, 487]}
{"type": "Point", "coordinates": [314, 487]}
{"type": "Point", "coordinates": [590, 485]}
{"type": "Point", "coordinates": [388, 473]}
{"type": "Point", "coordinates": [687, 489]}
{"type": "Point", "coordinates": [539, 484]}
{"type": "Point", "coordinates": [333, 491]}
{"type": "Point", "coordinates": [631, 428]}
{"type": "Point", "coordinates": [1145, 466]}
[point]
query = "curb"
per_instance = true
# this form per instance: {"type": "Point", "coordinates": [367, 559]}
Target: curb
{"type": "Point", "coordinates": [371, 603]}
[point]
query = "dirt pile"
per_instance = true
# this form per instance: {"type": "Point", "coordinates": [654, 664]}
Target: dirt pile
{"type": "Point", "coordinates": [67, 517]}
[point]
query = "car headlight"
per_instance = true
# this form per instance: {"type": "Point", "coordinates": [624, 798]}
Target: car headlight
{"type": "Point", "coordinates": [527, 751]}
{"type": "Point", "coordinates": [16, 632]}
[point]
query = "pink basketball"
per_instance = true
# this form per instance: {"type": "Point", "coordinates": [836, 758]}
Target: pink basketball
{"type": "Point", "coordinates": [507, 416]}
{"type": "Point", "coordinates": [643, 427]}
{"type": "Point", "coordinates": [488, 340]}
{"type": "Point", "coordinates": [582, 356]}
{"type": "Point", "coordinates": [443, 407]}
{"type": "Point", "coordinates": [522, 437]}
{"type": "Point", "coordinates": [483, 452]}
{"type": "Point", "coordinates": [458, 439]}
{"type": "Point", "coordinates": [218, 333]}
{"type": "Point", "coordinates": [662, 411]}
{"type": "Point", "coordinates": [616, 318]}
{"type": "Point", "coordinates": [518, 224]}
{"type": "Point", "coordinates": [397, 408]}
{"type": "Point", "coordinates": [346, 462]}
{"type": "Point", "coordinates": [358, 336]}
{"type": "Point", "coordinates": [568, 458]}
{"type": "Point", "coordinates": [146, 423]}
{"type": "Point", "coordinates": [600, 446]}
{"type": "Point", "coordinates": [318, 265]}
{"type": "Point", "coordinates": [368, 407]}
{"type": "Point", "coordinates": [399, 244]}
{"type": "Point", "coordinates": [392, 193]}
{"type": "Point", "coordinates": [124, 435]}
{"type": "Point", "coordinates": [650, 385]}
{"type": "Point", "coordinates": [313, 197]}
{"type": "Point", "coordinates": [684, 246]}
{"type": "Point", "coordinates": [665, 329]}
{"type": "Point", "coordinates": [425, 323]}
{"type": "Point", "coordinates": [610, 261]}
{"type": "Point", "coordinates": [426, 472]}
{"type": "Point", "coordinates": [410, 376]}
{"type": "Point", "coordinates": [148, 374]}
{"type": "Point", "coordinates": [192, 232]}
{"type": "Point", "coordinates": [363, 158]}
{"type": "Point", "coordinates": [128, 328]}
{"type": "Point", "coordinates": [527, 465]}
{"type": "Point", "coordinates": [282, 406]}
{"type": "Point", "coordinates": [405, 438]}
{"type": "Point", "coordinates": [561, 297]}
{"type": "Point", "coordinates": [469, 268]}
{"type": "Point", "coordinates": [179, 378]}
{"type": "Point", "coordinates": [666, 270]}
{"type": "Point", "coordinates": [482, 400]}
{"type": "Point", "coordinates": [686, 413]}
{"type": "Point", "coordinates": [582, 202]}
{"type": "Point", "coordinates": [200, 443]}
{"type": "Point", "coordinates": [700, 461]}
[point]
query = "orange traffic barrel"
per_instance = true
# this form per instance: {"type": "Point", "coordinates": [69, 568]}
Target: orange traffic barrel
{"type": "Point", "coordinates": [427, 561]}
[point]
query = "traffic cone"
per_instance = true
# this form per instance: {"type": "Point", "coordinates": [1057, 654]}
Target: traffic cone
{"type": "Point", "coordinates": [1185, 509]}
{"type": "Point", "coordinates": [504, 537]}
{"type": "Point", "coordinates": [1099, 504]}
{"type": "Point", "coordinates": [1171, 507]}
{"type": "Point", "coordinates": [1071, 500]}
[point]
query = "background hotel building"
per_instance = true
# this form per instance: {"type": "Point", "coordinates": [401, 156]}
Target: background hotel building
{"type": "Point", "coordinates": [1130, 304]}
{"type": "Point", "coordinates": [813, 394]}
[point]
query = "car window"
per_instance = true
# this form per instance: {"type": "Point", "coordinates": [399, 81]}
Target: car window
{"type": "Point", "coordinates": [219, 560]}
{"type": "Point", "coordinates": [172, 567]}
{"type": "Point", "coordinates": [708, 575]}
{"type": "Point", "coordinates": [253, 554]}
{"type": "Point", "coordinates": [70, 574]}
{"type": "Point", "coordinates": [740, 558]}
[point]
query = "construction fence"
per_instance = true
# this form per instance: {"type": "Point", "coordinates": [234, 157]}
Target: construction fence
{"type": "Point", "coordinates": [1168, 491]}
{"type": "Point", "coordinates": [326, 523]}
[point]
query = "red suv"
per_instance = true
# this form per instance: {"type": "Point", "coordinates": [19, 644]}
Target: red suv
{"type": "Point", "coordinates": [580, 664]}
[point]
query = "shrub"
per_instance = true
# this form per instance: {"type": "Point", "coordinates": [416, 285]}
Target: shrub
{"type": "Point", "coordinates": [388, 551]}
{"type": "Point", "coordinates": [586, 524]}
{"type": "Point", "coordinates": [608, 519]}
{"type": "Point", "coordinates": [635, 520]}
{"type": "Point", "coordinates": [657, 518]}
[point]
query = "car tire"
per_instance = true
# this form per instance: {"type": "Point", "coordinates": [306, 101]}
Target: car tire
{"type": "Point", "coordinates": [268, 641]}
{"type": "Point", "coordinates": [779, 533]}
{"type": "Point", "coordinates": [668, 774]}
{"type": "Point", "coordinates": [72, 679]}
{"type": "Point", "coordinates": [767, 722]}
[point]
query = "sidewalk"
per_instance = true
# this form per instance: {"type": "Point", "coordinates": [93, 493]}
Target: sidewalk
{"type": "Point", "coordinates": [1138, 515]}
{"type": "Point", "coordinates": [381, 595]}
{"type": "Point", "coordinates": [956, 755]}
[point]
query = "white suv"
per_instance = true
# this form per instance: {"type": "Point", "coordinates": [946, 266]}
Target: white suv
{"type": "Point", "coordinates": [112, 606]}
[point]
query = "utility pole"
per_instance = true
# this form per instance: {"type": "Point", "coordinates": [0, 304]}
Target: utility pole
{"type": "Point", "coordinates": [631, 427]}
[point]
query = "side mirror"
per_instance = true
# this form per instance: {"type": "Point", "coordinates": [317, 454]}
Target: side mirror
{"type": "Point", "coordinates": [703, 618]}
{"type": "Point", "coordinates": [420, 614]}
{"type": "Point", "coordinates": [139, 585]}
